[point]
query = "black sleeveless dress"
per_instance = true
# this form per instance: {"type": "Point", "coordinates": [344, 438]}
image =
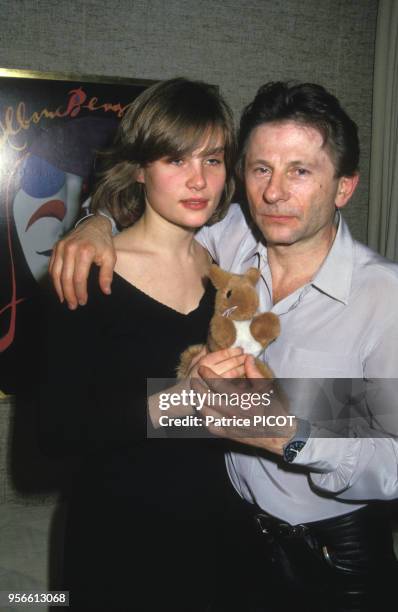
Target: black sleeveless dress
{"type": "Point", "coordinates": [145, 515]}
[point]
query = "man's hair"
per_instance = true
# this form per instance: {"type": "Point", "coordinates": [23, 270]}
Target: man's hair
{"type": "Point", "coordinates": [169, 119]}
{"type": "Point", "coordinates": [308, 104]}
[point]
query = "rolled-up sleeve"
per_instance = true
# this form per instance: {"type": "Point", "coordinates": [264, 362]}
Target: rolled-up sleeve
{"type": "Point", "coordinates": [364, 467]}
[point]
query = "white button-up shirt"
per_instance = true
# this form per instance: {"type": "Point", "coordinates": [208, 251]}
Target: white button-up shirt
{"type": "Point", "coordinates": [343, 324]}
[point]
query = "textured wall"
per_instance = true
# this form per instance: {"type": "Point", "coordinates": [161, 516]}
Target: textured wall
{"type": "Point", "coordinates": [235, 44]}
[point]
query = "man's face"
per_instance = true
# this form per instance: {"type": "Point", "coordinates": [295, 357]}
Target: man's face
{"type": "Point", "coordinates": [291, 185]}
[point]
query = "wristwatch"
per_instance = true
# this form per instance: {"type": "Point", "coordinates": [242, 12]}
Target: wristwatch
{"type": "Point", "coordinates": [292, 448]}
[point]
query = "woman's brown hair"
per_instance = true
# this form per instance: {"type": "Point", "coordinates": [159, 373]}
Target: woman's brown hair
{"type": "Point", "coordinates": [169, 119]}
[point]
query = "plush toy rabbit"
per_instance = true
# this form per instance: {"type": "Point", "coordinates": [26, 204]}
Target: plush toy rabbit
{"type": "Point", "coordinates": [235, 322]}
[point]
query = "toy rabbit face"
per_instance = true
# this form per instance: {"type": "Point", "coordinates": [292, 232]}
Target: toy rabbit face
{"type": "Point", "coordinates": [236, 296]}
{"type": "Point", "coordinates": [236, 322]}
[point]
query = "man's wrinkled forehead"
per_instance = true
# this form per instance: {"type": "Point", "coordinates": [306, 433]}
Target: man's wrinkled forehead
{"type": "Point", "coordinates": [316, 133]}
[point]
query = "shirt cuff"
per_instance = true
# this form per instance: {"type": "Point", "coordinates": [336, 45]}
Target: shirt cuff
{"type": "Point", "coordinates": [326, 454]}
{"type": "Point", "coordinates": [114, 229]}
{"type": "Point", "coordinates": [336, 464]}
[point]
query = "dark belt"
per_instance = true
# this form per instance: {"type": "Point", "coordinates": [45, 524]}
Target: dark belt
{"type": "Point", "coordinates": [271, 526]}
{"type": "Point", "coordinates": [274, 530]}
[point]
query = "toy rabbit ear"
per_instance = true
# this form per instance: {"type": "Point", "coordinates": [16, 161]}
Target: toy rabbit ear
{"type": "Point", "coordinates": [219, 278]}
{"type": "Point", "coordinates": [253, 274]}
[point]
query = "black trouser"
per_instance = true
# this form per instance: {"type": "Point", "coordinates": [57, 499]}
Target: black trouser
{"type": "Point", "coordinates": [341, 564]}
{"type": "Point", "coordinates": [239, 564]}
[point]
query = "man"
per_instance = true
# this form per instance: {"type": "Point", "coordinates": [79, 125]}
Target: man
{"type": "Point", "coordinates": [336, 299]}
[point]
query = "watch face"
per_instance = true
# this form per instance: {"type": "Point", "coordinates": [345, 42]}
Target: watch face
{"type": "Point", "coordinates": [292, 449]}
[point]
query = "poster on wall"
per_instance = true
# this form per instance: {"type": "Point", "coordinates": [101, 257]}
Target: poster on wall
{"type": "Point", "coordinates": [51, 126]}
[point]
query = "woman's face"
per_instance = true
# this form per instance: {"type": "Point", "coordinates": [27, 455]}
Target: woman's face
{"type": "Point", "coordinates": [186, 191]}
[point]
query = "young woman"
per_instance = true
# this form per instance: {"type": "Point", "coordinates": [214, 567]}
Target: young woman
{"type": "Point", "coordinates": [144, 528]}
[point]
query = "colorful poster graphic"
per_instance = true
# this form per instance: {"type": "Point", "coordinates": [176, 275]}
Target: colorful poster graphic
{"type": "Point", "coordinates": [50, 131]}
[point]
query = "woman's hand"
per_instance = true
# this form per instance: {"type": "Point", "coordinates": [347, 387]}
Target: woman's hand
{"type": "Point", "coordinates": [228, 363]}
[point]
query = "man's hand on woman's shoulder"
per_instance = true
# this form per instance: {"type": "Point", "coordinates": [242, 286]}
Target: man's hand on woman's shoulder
{"type": "Point", "coordinates": [73, 255]}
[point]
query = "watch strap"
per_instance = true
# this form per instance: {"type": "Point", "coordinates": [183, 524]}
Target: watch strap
{"type": "Point", "coordinates": [292, 448]}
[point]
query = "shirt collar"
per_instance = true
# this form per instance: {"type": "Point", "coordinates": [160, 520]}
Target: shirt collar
{"type": "Point", "coordinates": [335, 274]}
